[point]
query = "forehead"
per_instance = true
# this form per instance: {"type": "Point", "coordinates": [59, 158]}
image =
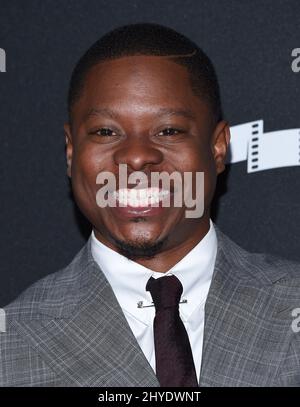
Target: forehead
{"type": "Point", "coordinates": [144, 79]}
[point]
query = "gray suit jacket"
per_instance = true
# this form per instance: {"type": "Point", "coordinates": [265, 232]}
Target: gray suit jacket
{"type": "Point", "coordinates": [68, 329]}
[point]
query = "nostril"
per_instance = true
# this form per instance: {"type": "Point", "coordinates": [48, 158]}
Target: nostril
{"type": "Point", "coordinates": [138, 156]}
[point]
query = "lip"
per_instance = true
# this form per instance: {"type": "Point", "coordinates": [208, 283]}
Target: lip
{"type": "Point", "coordinates": [139, 211]}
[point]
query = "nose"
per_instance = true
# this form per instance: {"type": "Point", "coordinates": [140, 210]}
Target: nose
{"type": "Point", "coordinates": [138, 155]}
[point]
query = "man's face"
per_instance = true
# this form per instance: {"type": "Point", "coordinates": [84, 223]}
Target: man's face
{"type": "Point", "coordinates": [119, 119]}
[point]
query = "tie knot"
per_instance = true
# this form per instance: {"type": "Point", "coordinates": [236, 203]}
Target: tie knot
{"type": "Point", "coordinates": [165, 291]}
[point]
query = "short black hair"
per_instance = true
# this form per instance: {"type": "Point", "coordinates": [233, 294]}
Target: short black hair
{"type": "Point", "coordinates": [151, 39]}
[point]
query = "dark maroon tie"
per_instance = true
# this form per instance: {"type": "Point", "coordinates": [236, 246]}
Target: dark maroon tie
{"type": "Point", "coordinates": [173, 354]}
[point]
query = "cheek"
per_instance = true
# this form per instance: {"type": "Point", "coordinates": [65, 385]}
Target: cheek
{"type": "Point", "coordinates": [85, 168]}
{"type": "Point", "coordinates": [195, 158]}
{"type": "Point", "coordinates": [87, 162]}
{"type": "Point", "coordinates": [210, 178]}
{"type": "Point", "coordinates": [202, 161]}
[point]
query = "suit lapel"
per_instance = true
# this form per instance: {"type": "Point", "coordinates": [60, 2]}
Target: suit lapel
{"type": "Point", "coordinates": [216, 308]}
{"type": "Point", "coordinates": [240, 339]}
{"type": "Point", "coordinates": [94, 345]}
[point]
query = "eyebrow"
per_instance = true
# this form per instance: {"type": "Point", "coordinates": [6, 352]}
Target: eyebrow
{"type": "Point", "coordinates": [164, 111]}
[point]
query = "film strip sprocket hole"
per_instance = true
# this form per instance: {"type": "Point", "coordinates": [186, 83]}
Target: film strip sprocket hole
{"type": "Point", "coordinates": [275, 149]}
{"type": "Point", "coordinates": [254, 147]}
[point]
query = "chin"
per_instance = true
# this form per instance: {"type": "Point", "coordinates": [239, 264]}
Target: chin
{"type": "Point", "coordinates": [139, 249]}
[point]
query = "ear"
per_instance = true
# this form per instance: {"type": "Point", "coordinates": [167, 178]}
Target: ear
{"type": "Point", "coordinates": [220, 144]}
{"type": "Point", "coordinates": [69, 147]}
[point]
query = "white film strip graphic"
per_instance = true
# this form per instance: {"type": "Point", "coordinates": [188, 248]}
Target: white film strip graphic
{"type": "Point", "coordinates": [2, 320]}
{"type": "Point", "coordinates": [263, 151]}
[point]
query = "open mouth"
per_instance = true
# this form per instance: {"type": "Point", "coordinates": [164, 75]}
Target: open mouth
{"type": "Point", "coordinates": [141, 197]}
{"type": "Point", "coordinates": [140, 202]}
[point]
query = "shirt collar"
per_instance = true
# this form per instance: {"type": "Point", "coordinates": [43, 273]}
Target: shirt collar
{"type": "Point", "coordinates": [128, 279]}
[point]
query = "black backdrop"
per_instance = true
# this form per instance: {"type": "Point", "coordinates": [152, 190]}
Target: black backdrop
{"type": "Point", "coordinates": [250, 43]}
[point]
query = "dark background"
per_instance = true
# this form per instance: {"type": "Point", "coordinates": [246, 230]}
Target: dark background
{"type": "Point", "coordinates": [250, 43]}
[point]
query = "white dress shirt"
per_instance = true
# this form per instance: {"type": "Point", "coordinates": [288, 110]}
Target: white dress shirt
{"type": "Point", "coordinates": [128, 280]}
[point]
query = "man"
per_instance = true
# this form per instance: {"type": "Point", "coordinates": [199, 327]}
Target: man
{"type": "Point", "coordinates": [147, 97]}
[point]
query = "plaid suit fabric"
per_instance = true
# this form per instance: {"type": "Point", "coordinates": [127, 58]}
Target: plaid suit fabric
{"type": "Point", "coordinates": [68, 329]}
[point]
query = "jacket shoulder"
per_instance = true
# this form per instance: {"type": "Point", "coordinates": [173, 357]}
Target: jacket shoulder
{"type": "Point", "coordinates": [55, 294]}
{"type": "Point", "coordinates": [264, 268]}
{"type": "Point", "coordinates": [51, 297]}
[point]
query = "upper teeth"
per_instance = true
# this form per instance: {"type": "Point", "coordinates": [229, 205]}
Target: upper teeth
{"type": "Point", "coordinates": [140, 197]}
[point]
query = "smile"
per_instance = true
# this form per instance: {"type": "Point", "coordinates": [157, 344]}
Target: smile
{"type": "Point", "coordinates": [140, 198]}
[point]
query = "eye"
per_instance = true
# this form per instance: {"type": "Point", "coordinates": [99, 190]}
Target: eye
{"type": "Point", "coordinates": [169, 131]}
{"type": "Point", "coordinates": [104, 132]}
